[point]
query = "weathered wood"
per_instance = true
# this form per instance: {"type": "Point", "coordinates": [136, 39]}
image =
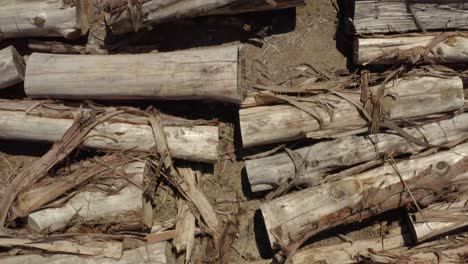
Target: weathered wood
{"type": "Point", "coordinates": [95, 205]}
{"type": "Point", "coordinates": [440, 218]}
{"type": "Point", "coordinates": [410, 49]}
{"type": "Point", "coordinates": [398, 16]}
{"type": "Point", "coordinates": [321, 158]}
{"type": "Point", "coordinates": [293, 218]}
{"type": "Point", "coordinates": [210, 73]}
{"type": "Point", "coordinates": [151, 254]}
{"type": "Point", "coordinates": [123, 18]}
{"type": "Point", "coordinates": [412, 96]}
{"type": "Point", "coordinates": [44, 18]}
{"type": "Point", "coordinates": [47, 122]}
{"type": "Point", "coordinates": [12, 67]}
{"type": "Point", "coordinates": [185, 229]}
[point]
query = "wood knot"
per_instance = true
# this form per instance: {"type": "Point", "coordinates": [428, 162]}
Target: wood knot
{"type": "Point", "coordinates": [441, 168]}
{"type": "Point", "coordinates": [344, 189]}
{"type": "Point", "coordinates": [451, 41]}
{"type": "Point", "coordinates": [39, 21]}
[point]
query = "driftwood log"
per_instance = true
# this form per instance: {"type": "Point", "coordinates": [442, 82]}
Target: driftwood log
{"type": "Point", "coordinates": [47, 122]}
{"type": "Point", "coordinates": [43, 18]}
{"type": "Point", "coordinates": [151, 253]}
{"type": "Point", "coordinates": [451, 48]}
{"type": "Point", "coordinates": [375, 16]}
{"type": "Point", "coordinates": [12, 67]}
{"type": "Point", "coordinates": [409, 97]}
{"type": "Point", "coordinates": [122, 17]}
{"type": "Point", "coordinates": [290, 220]}
{"type": "Point", "coordinates": [321, 158]}
{"type": "Point", "coordinates": [211, 73]}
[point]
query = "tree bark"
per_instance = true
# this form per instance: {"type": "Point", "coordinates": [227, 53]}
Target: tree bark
{"type": "Point", "coordinates": [12, 67]}
{"type": "Point", "coordinates": [410, 49]}
{"type": "Point", "coordinates": [51, 18]}
{"type": "Point", "coordinates": [212, 73]}
{"type": "Point", "coordinates": [151, 253]}
{"type": "Point", "coordinates": [134, 18]}
{"type": "Point", "coordinates": [97, 206]}
{"type": "Point", "coordinates": [376, 16]}
{"type": "Point", "coordinates": [47, 122]}
{"type": "Point", "coordinates": [404, 98]}
{"type": "Point", "coordinates": [321, 158]}
{"type": "Point", "coordinates": [295, 217]}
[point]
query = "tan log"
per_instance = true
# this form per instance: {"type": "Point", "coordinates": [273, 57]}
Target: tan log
{"type": "Point", "coordinates": [43, 18]}
{"type": "Point", "coordinates": [151, 253]}
{"type": "Point", "coordinates": [268, 172]}
{"type": "Point", "coordinates": [12, 67]}
{"type": "Point", "coordinates": [410, 49]}
{"type": "Point", "coordinates": [295, 217]}
{"type": "Point", "coordinates": [375, 16]}
{"type": "Point", "coordinates": [96, 206]}
{"type": "Point", "coordinates": [404, 98]}
{"type": "Point", "coordinates": [210, 73]}
{"type": "Point", "coordinates": [134, 18]}
{"type": "Point", "coordinates": [48, 122]}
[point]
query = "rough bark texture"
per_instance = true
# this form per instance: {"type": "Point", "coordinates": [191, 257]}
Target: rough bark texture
{"type": "Point", "coordinates": [51, 18]}
{"type": "Point", "coordinates": [404, 98]}
{"type": "Point", "coordinates": [410, 49]}
{"type": "Point", "coordinates": [211, 73]}
{"type": "Point", "coordinates": [47, 122]}
{"type": "Point", "coordinates": [295, 217]}
{"type": "Point", "coordinates": [12, 67]}
{"type": "Point", "coordinates": [321, 158]}
{"type": "Point", "coordinates": [398, 16]}
{"type": "Point", "coordinates": [134, 18]}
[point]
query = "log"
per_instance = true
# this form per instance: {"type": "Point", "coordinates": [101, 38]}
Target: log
{"type": "Point", "coordinates": [387, 16]}
{"type": "Point", "coordinates": [404, 98]}
{"type": "Point", "coordinates": [45, 18]}
{"type": "Point", "coordinates": [295, 217]}
{"type": "Point", "coordinates": [411, 49]}
{"type": "Point", "coordinates": [123, 18]}
{"type": "Point", "coordinates": [151, 253]}
{"type": "Point", "coordinates": [268, 172]}
{"type": "Point", "coordinates": [96, 206]}
{"type": "Point", "coordinates": [211, 73]}
{"type": "Point", "coordinates": [12, 67]}
{"type": "Point", "coordinates": [47, 122]}
{"type": "Point", "coordinates": [439, 218]}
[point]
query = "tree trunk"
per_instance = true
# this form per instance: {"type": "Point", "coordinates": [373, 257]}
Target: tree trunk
{"type": "Point", "coordinates": [97, 206]}
{"type": "Point", "coordinates": [151, 253]}
{"type": "Point", "coordinates": [439, 218]}
{"type": "Point", "coordinates": [134, 18]}
{"type": "Point", "coordinates": [268, 172]}
{"type": "Point", "coordinates": [404, 98]}
{"type": "Point", "coordinates": [12, 67]}
{"type": "Point", "coordinates": [387, 16]}
{"type": "Point", "coordinates": [212, 73]}
{"type": "Point", "coordinates": [411, 49]}
{"type": "Point", "coordinates": [47, 122]}
{"type": "Point", "coordinates": [42, 18]}
{"type": "Point", "coordinates": [295, 217]}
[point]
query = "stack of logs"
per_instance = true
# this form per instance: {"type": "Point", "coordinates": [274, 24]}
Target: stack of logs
{"type": "Point", "coordinates": [370, 143]}
{"type": "Point", "coordinates": [60, 203]}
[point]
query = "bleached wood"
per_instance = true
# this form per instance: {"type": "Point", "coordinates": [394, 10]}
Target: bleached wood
{"type": "Point", "coordinates": [405, 98]}
{"type": "Point", "coordinates": [105, 249]}
{"type": "Point", "coordinates": [41, 18]}
{"type": "Point", "coordinates": [185, 229]}
{"type": "Point", "coordinates": [12, 67]}
{"type": "Point", "coordinates": [157, 11]}
{"type": "Point", "coordinates": [266, 173]}
{"type": "Point", "coordinates": [151, 254]}
{"type": "Point", "coordinates": [392, 50]}
{"type": "Point", "coordinates": [198, 143]}
{"type": "Point", "coordinates": [210, 73]}
{"type": "Point", "coordinates": [297, 216]}
{"type": "Point", "coordinates": [394, 16]}
{"type": "Point", "coordinates": [95, 205]}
